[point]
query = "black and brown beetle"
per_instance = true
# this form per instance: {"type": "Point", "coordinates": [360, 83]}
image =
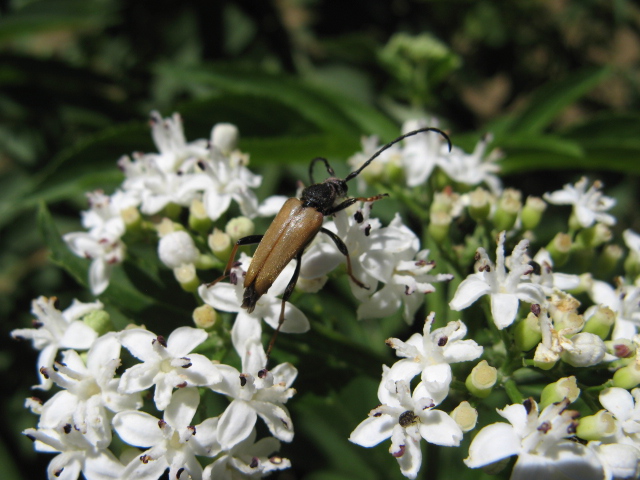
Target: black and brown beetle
{"type": "Point", "coordinates": [295, 226]}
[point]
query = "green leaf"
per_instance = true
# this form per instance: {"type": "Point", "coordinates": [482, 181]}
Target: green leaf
{"type": "Point", "coordinates": [550, 100]}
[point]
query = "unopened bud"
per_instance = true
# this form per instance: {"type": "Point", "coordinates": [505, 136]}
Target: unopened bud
{"type": "Point", "coordinates": [532, 212]}
{"type": "Point", "coordinates": [465, 416]}
{"type": "Point", "coordinates": [187, 278]}
{"type": "Point", "coordinates": [621, 348]}
{"type": "Point", "coordinates": [587, 350]}
{"type": "Point", "coordinates": [566, 387]}
{"type": "Point", "coordinates": [509, 205]}
{"type": "Point", "coordinates": [239, 227]}
{"type": "Point", "coordinates": [131, 218]}
{"type": "Point", "coordinates": [608, 260]}
{"type": "Point", "coordinates": [198, 218]}
{"type": "Point", "coordinates": [527, 333]}
{"type": "Point", "coordinates": [482, 379]}
{"type": "Point", "coordinates": [172, 210]}
{"type": "Point", "coordinates": [224, 137]}
{"type": "Point", "coordinates": [439, 226]}
{"type": "Point", "coordinates": [559, 248]}
{"type": "Point", "coordinates": [220, 244]}
{"type": "Point", "coordinates": [596, 427]}
{"type": "Point", "coordinates": [627, 377]}
{"type": "Point", "coordinates": [99, 320]}
{"type": "Point", "coordinates": [205, 317]}
{"type": "Point", "coordinates": [600, 320]}
{"type": "Point", "coordinates": [594, 236]}
{"type": "Point", "coordinates": [479, 204]}
{"type": "Point", "coordinates": [176, 249]}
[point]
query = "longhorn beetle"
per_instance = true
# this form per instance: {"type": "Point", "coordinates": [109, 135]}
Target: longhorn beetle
{"type": "Point", "coordinates": [295, 226]}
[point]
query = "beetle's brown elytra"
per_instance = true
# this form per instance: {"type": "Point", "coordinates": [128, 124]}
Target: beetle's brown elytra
{"type": "Point", "coordinates": [295, 226]}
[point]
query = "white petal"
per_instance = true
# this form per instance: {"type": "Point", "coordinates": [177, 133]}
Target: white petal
{"type": "Point", "coordinates": [184, 339]}
{"type": "Point", "coordinates": [618, 401]}
{"type": "Point", "coordinates": [411, 459]}
{"type": "Point", "coordinates": [103, 350]}
{"type": "Point", "coordinates": [221, 296]}
{"type": "Point", "coordinates": [504, 307]}
{"type": "Point", "coordinates": [182, 408]}
{"type": "Point", "coordinates": [137, 428]}
{"type": "Point", "coordinates": [462, 351]}
{"type": "Point", "coordinates": [494, 442]}
{"type": "Point", "coordinates": [102, 466]}
{"type": "Point", "coordinates": [65, 466]}
{"type": "Point", "coordinates": [471, 288]}
{"type": "Point", "coordinates": [78, 336]}
{"type": "Point", "coordinates": [277, 419]}
{"type": "Point", "coordinates": [439, 428]}
{"type": "Point", "coordinates": [236, 423]}
{"type": "Point", "coordinates": [202, 372]}
{"type": "Point", "coordinates": [99, 275]}
{"type": "Point", "coordinates": [294, 320]}
{"type": "Point", "coordinates": [140, 343]}
{"type": "Point", "coordinates": [137, 378]}
{"type": "Point", "coordinates": [568, 461]}
{"type": "Point", "coordinates": [373, 430]}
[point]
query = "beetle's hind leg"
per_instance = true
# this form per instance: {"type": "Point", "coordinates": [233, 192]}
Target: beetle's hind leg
{"type": "Point", "coordinates": [285, 296]}
{"type": "Point", "coordinates": [345, 251]}
{"type": "Point", "coordinates": [250, 240]}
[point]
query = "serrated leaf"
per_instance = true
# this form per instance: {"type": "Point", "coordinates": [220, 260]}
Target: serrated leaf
{"type": "Point", "coordinates": [550, 100]}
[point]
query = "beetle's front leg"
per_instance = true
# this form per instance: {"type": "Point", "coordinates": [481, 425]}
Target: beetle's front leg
{"type": "Point", "coordinates": [350, 201]}
{"type": "Point", "coordinates": [285, 296]}
{"type": "Point", "coordinates": [249, 240]}
{"type": "Point", "coordinates": [345, 251]}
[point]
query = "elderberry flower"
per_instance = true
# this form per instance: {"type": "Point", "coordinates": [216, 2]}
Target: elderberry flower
{"type": "Point", "coordinates": [172, 442]}
{"type": "Point", "coordinates": [540, 440]}
{"type": "Point", "coordinates": [431, 355]}
{"type": "Point", "coordinates": [55, 329]}
{"type": "Point", "coordinates": [406, 418]}
{"type": "Point", "coordinates": [166, 364]}
{"type": "Point", "coordinates": [624, 301]}
{"type": "Point", "coordinates": [625, 407]}
{"type": "Point", "coordinates": [90, 392]}
{"type": "Point", "coordinates": [589, 206]}
{"type": "Point", "coordinates": [505, 289]}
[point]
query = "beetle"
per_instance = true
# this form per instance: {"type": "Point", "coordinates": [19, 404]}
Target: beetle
{"type": "Point", "coordinates": [295, 226]}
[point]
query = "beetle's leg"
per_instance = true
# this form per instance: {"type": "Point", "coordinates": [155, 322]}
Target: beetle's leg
{"type": "Point", "coordinates": [345, 251]}
{"type": "Point", "coordinates": [326, 162]}
{"type": "Point", "coordinates": [350, 201]}
{"type": "Point", "coordinates": [250, 240]}
{"type": "Point", "coordinates": [285, 296]}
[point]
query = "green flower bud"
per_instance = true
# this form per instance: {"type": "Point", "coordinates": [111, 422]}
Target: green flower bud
{"type": "Point", "coordinates": [509, 206]}
{"type": "Point", "coordinates": [527, 333]}
{"type": "Point", "coordinates": [131, 218]}
{"type": "Point", "coordinates": [172, 211]}
{"type": "Point", "coordinates": [596, 427]}
{"type": "Point", "coordinates": [239, 227]}
{"type": "Point", "coordinates": [187, 278]}
{"type": "Point", "coordinates": [480, 204]}
{"type": "Point", "coordinates": [600, 322]}
{"type": "Point", "coordinates": [198, 219]}
{"type": "Point", "coordinates": [559, 248]}
{"type": "Point", "coordinates": [627, 377]}
{"type": "Point", "coordinates": [532, 212]}
{"type": "Point", "coordinates": [608, 260]}
{"type": "Point", "coordinates": [438, 228]}
{"type": "Point", "coordinates": [621, 348]}
{"type": "Point", "coordinates": [566, 387]}
{"type": "Point", "coordinates": [99, 320]}
{"type": "Point", "coordinates": [220, 244]}
{"type": "Point", "coordinates": [632, 265]}
{"type": "Point", "coordinates": [205, 317]}
{"type": "Point", "coordinates": [594, 236]}
{"type": "Point", "coordinates": [481, 380]}
{"type": "Point", "coordinates": [465, 416]}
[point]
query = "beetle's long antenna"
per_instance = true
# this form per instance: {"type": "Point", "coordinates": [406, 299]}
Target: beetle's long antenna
{"type": "Point", "coordinates": [326, 162]}
{"type": "Point", "coordinates": [390, 144]}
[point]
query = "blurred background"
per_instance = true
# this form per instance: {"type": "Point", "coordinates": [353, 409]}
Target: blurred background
{"type": "Point", "coordinates": [556, 82]}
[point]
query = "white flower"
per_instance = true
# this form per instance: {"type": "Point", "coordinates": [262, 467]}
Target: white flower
{"type": "Point", "coordinates": [255, 392]}
{"type": "Point", "coordinates": [473, 169]}
{"type": "Point", "coordinates": [625, 301]}
{"type": "Point", "coordinates": [550, 280]}
{"type": "Point", "coordinates": [76, 455]}
{"type": "Point", "coordinates": [370, 145]}
{"type": "Point", "coordinates": [166, 364]}
{"type": "Point", "coordinates": [172, 442]}
{"type": "Point", "coordinates": [55, 329]}
{"type": "Point", "coordinates": [228, 297]}
{"type": "Point", "coordinates": [422, 152]}
{"type": "Point", "coordinates": [431, 354]}
{"type": "Point", "coordinates": [632, 240]}
{"type": "Point", "coordinates": [246, 459]}
{"type": "Point", "coordinates": [541, 442]}
{"type": "Point", "coordinates": [589, 206]}
{"type": "Point", "coordinates": [406, 418]}
{"type": "Point", "coordinates": [104, 214]}
{"type": "Point", "coordinates": [506, 289]}
{"type": "Point", "coordinates": [90, 391]}
{"type": "Point", "coordinates": [176, 249]}
{"type": "Point", "coordinates": [618, 460]}
{"type": "Point", "coordinates": [625, 407]}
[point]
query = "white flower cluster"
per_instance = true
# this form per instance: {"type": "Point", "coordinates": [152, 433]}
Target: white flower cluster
{"type": "Point", "coordinates": [78, 421]}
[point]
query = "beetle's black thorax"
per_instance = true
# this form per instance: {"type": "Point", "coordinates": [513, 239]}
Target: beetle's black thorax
{"type": "Point", "coordinates": [322, 196]}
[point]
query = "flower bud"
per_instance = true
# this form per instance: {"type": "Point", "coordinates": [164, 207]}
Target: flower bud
{"type": "Point", "coordinates": [198, 218]}
{"type": "Point", "coordinates": [482, 379]}
{"type": "Point", "coordinates": [205, 317]}
{"type": "Point", "coordinates": [608, 260]}
{"type": "Point", "coordinates": [311, 285]}
{"type": "Point", "coordinates": [220, 244]}
{"type": "Point", "coordinates": [559, 248]}
{"type": "Point", "coordinates": [566, 387]}
{"type": "Point", "coordinates": [465, 416]}
{"type": "Point", "coordinates": [621, 348]}
{"type": "Point", "coordinates": [627, 377]}
{"type": "Point", "coordinates": [439, 226]}
{"type": "Point", "coordinates": [176, 249]}
{"type": "Point", "coordinates": [532, 212]}
{"type": "Point", "coordinates": [509, 206]}
{"type": "Point", "coordinates": [99, 320]}
{"type": "Point", "coordinates": [224, 137]}
{"type": "Point", "coordinates": [480, 204]}
{"type": "Point", "coordinates": [239, 227]}
{"type": "Point", "coordinates": [187, 278]}
{"type": "Point", "coordinates": [172, 210]}
{"type": "Point", "coordinates": [594, 236]}
{"type": "Point", "coordinates": [131, 218]}
{"type": "Point", "coordinates": [527, 333]}
{"type": "Point", "coordinates": [600, 320]}
{"type": "Point", "coordinates": [587, 350]}
{"type": "Point", "coordinates": [596, 427]}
